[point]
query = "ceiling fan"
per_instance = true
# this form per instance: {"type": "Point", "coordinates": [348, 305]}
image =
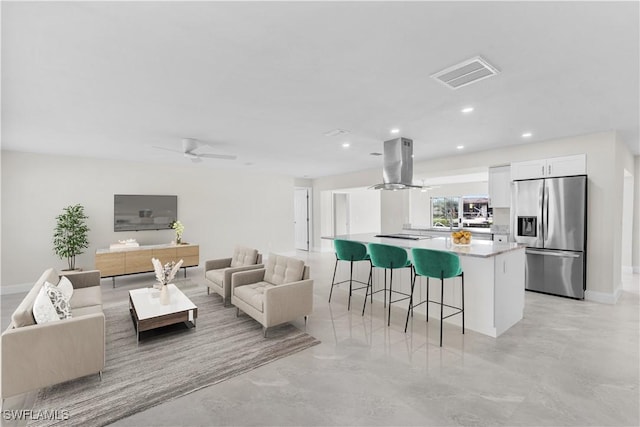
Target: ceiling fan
{"type": "Point", "coordinates": [190, 145]}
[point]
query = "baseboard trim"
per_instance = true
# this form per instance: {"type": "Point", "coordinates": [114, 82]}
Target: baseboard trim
{"type": "Point", "coordinates": [15, 289]}
{"type": "Point", "coordinates": [603, 297]}
{"type": "Point", "coordinates": [628, 269]}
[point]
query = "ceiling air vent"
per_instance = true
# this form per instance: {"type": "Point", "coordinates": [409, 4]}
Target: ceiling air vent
{"type": "Point", "coordinates": [466, 72]}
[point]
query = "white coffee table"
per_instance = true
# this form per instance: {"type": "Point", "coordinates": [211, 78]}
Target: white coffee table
{"type": "Point", "coordinates": [148, 313]}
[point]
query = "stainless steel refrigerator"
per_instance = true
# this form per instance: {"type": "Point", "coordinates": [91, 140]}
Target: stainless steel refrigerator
{"type": "Point", "coordinates": [550, 216]}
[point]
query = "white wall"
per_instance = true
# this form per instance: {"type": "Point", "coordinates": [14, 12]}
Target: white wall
{"type": "Point", "coordinates": [606, 159]}
{"type": "Point", "coordinates": [219, 208]}
{"type": "Point", "coordinates": [627, 224]}
{"type": "Point", "coordinates": [636, 215]}
{"type": "Point", "coordinates": [364, 210]}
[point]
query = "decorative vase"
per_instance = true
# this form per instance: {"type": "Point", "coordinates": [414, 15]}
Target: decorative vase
{"type": "Point", "coordinates": [164, 295]}
{"type": "Point", "coordinates": [178, 240]}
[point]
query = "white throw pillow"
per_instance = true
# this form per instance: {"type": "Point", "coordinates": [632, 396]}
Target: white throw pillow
{"type": "Point", "coordinates": [66, 287]}
{"type": "Point", "coordinates": [60, 303]}
{"type": "Point", "coordinates": [43, 309]}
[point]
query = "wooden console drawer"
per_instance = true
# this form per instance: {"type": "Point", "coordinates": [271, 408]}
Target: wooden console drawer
{"type": "Point", "coordinates": [110, 264]}
{"type": "Point", "coordinates": [190, 261]}
{"type": "Point", "coordinates": [138, 261]}
{"type": "Point", "coordinates": [165, 255]}
{"type": "Point", "coordinates": [190, 254]}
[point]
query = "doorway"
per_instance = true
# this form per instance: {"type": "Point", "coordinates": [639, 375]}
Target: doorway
{"type": "Point", "coordinates": [301, 219]}
{"type": "Point", "coordinates": [341, 214]}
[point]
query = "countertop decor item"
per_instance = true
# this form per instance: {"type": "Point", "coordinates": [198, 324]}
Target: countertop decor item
{"type": "Point", "coordinates": [166, 273]}
{"type": "Point", "coordinates": [461, 238]}
{"type": "Point", "coordinates": [177, 225]}
{"type": "Point", "coordinates": [70, 234]}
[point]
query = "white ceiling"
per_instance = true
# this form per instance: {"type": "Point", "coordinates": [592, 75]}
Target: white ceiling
{"type": "Point", "coordinates": [266, 80]}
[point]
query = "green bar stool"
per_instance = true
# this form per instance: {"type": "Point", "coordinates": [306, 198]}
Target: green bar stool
{"type": "Point", "coordinates": [347, 250]}
{"type": "Point", "coordinates": [438, 265]}
{"type": "Point", "coordinates": [390, 258]}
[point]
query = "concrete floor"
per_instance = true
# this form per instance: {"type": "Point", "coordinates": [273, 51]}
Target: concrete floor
{"type": "Point", "coordinates": [567, 363]}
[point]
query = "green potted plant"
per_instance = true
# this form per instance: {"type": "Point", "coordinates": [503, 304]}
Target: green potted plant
{"type": "Point", "coordinates": [70, 234]}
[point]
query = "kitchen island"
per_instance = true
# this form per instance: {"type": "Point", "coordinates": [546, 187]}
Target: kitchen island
{"type": "Point", "coordinates": [494, 280]}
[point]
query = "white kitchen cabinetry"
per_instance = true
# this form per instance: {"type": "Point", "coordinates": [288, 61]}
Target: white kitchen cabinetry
{"type": "Point", "coordinates": [547, 168]}
{"type": "Point", "coordinates": [500, 187]}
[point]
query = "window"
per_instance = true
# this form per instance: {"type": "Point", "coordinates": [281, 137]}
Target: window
{"type": "Point", "coordinates": [445, 211]}
{"type": "Point", "coordinates": [471, 211]}
{"type": "Point", "coordinates": [476, 212]}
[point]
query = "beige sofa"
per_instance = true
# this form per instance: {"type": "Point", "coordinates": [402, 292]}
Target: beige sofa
{"type": "Point", "coordinates": [218, 272]}
{"type": "Point", "coordinates": [40, 355]}
{"type": "Point", "coordinates": [276, 294]}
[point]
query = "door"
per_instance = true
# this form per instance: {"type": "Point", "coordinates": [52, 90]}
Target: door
{"type": "Point", "coordinates": [301, 218]}
{"type": "Point", "coordinates": [340, 214]}
{"type": "Point", "coordinates": [565, 213]}
{"type": "Point", "coordinates": [527, 212]}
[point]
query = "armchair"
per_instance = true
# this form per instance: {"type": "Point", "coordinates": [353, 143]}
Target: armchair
{"type": "Point", "coordinates": [276, 294]}
{"type": "Point", "coordinates": [218, 272]}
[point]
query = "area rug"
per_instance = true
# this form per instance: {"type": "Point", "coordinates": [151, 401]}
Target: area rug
{"type": "Point", "coordinates": [167, 365]}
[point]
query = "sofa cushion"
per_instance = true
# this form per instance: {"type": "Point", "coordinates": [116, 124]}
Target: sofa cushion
{"type": "Point", "coordinates": [281, 269]}
{"type": "Point", "coordinates": [66, 287]}
{"type": "Point", "coordinates": [43, 309]}
{"type": "Point", "coordinates": [84, 297]}
{"type": "Point", "coordinates": [216, 276]}
{"type": "Point", "coordinates": [82, 311]}
{"type": "Point", "coordinates": [243, 256]}
{"type": "Point", "coordinates": [23, 315]}
{"type": "Point", "coordinates": [253, 294]}
{"type": "Point", "coordinates": [60, 302]}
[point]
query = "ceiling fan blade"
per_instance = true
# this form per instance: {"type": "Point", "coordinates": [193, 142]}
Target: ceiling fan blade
{"type": "Point", "coordinates": [218, 156]}
{"type": "Point", "coordinates": [166, 149]}
{"type": "Point", "coordinates": [189, 144]}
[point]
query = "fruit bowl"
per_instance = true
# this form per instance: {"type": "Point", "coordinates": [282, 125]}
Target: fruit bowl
{"type": "Point", "coordinates": [461, 238]}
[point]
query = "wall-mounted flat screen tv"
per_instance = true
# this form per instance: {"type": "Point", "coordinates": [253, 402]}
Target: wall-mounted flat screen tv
{"type": "Point", "coordinates": [135, 212]}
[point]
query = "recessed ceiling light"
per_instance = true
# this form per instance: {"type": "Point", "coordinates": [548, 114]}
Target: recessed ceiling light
{"type": "Point", "coordinates": [527, 135]}
{"type": "Point", "coordinates": [395, 130]}
{"type": "Point", "coordinates": [467, 110]}
{"type": "Point", "coordinates": [345, 145]}
{"type": "Point", "coordinates": [460, 147]}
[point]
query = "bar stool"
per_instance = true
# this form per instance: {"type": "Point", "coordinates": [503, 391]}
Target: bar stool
{"type": "Point", "coordinates": [392, 258]}
{"type": "Point", "coordinates": [347, 250]}
{"type": "Point", "coordinates": [438, 265]}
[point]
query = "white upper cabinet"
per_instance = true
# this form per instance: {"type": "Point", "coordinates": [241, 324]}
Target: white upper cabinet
{"type": "Point", "coordinates": [500, 187]}
{"type": "Point", "coordinates": [547, 168]}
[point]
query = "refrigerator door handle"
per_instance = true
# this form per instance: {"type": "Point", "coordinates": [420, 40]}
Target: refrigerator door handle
{"type": "Point", "coordinates": [545, 211]}
{"type": "Point", "coordinates": [562, 254]}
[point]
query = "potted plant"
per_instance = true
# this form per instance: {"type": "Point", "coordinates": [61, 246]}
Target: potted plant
{"type": "Point", "coordinates": [70, 234]}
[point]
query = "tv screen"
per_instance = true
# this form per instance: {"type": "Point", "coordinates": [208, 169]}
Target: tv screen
{"type": "Point", "coordinates": [134, 212]}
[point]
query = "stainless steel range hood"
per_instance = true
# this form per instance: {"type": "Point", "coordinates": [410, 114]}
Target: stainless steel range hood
{"type": "Point", "coordinates": [397, 173]}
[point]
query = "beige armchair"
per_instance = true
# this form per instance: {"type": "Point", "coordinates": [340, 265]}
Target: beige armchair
{"type": "Point", "coordinates": [218, 272]}
{"type": "Point", "coordinates": [276, 294]}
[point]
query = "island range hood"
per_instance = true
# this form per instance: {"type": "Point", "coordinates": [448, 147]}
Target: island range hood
{"type": "Point", "coordinates": [397, 172]}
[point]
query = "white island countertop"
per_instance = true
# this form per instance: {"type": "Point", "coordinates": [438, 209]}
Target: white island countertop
{"type": "Point", "coordinates": [494, 275]}
{"type": "Point", "coordinates": [477, 248]}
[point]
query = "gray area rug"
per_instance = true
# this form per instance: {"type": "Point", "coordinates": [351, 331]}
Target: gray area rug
{"type": "Point", "coordinates": [169, 364]}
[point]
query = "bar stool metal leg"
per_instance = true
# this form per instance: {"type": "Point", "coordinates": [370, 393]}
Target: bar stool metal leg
{"type": "Point", "coordinates": [350, 284]}
{"type": "Point", "coordinates": [390, 286]}
{"type": "Point", "coordinates": [441, 305]}
{"type": "Point", "coordinates": [334, 279]}
{"type": "Point", "coordinates": [462, 276]}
